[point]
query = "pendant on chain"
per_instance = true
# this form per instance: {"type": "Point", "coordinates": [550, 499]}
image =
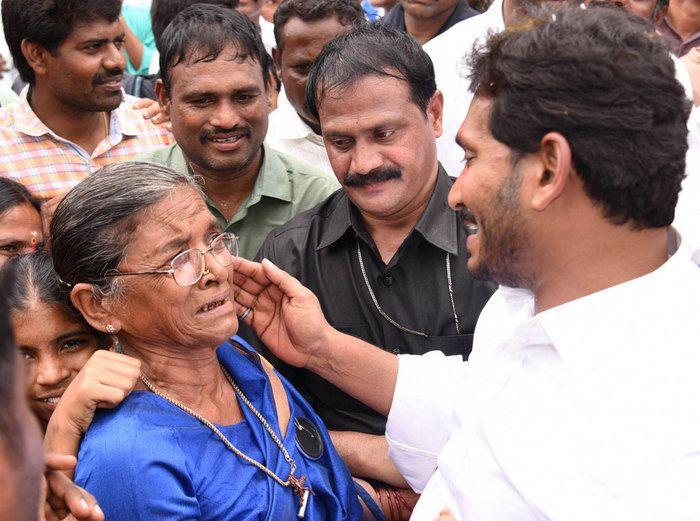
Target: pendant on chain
{"type": "Point", "coordinates": [302, 491]}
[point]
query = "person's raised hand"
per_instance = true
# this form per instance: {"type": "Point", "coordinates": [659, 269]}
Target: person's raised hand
{"type": "Point", "coordinates": [105, 380]}
{"type": "Point", "coordinates": [64, 499]}
{"type": "Point", "coordinates": [151, 110]}
{"type": "Point", "coordinates": [285, 315]}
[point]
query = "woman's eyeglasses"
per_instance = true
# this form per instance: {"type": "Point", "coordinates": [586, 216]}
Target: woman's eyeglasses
{"type": "Point", "coordinates": [188, 267]}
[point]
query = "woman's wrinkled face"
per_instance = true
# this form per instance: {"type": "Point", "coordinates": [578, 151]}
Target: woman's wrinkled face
{"type": "Point", "coordinates": [55, 348]}
{"type": "Point", "coordinates": [20, 231]}
{"type": "Point", "coordinates": [153, 310]}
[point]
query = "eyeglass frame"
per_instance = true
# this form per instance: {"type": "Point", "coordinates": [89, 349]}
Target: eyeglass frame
{"type": "Point", "coordinates": [171, 271]}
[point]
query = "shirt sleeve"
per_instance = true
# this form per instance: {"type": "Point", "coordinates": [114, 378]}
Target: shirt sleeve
{"type": "Point", "coordinates": [419, 421]}
{"type": "Point", "coordinates": [137, 477]}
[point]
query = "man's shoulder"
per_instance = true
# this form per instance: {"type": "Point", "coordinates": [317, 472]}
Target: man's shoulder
{"type": "Point", "coordinates": [10, 115]}
{"type": "Point", "coordinates": [169, 156]}
{"type": "Point", "coordinates": [297, 231]}
{"type": "Point", "coordinates": [303, 175]}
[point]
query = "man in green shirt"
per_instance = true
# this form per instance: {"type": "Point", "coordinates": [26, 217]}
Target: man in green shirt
{"type": "Point", "coordinates": [215, 88]}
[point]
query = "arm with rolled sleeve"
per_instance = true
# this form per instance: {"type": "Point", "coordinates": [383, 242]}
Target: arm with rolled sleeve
{"type": "Point", "coordinates": [419, 421]}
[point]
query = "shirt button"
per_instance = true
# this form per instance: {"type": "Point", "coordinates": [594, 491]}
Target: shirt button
{"type": "Point", "coordinates": [388, 280]}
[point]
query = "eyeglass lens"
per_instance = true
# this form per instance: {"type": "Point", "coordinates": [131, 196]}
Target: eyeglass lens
{"type": "Point", "coordinates": [189, 265]}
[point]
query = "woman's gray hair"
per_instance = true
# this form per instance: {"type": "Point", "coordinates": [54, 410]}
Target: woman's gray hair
{"type": "Point", "coordinates": [94, 224]}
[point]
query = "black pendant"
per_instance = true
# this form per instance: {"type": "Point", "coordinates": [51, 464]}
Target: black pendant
{"type": "Point", "coordinates": [308, 439]}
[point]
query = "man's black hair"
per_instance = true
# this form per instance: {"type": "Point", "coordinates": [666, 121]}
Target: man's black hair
{"type": "Point", "coordinates": [371, 50]}
{"type": "Point", "coordinates": [203, 32]}
{"type": "Point", "coordinates": [164, 11]}
{"type": "Point", "coordinates": [604, 80]}
{"type": "Point", "coordinates": [13, 193]}
{"type": "Point", "coordinates": [48, 23]}
{"type": "Point", "coordinates": [347, 12]}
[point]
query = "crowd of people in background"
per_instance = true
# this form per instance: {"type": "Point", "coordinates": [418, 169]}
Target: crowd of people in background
{"type": "Point", "coordinates": [350, 259]}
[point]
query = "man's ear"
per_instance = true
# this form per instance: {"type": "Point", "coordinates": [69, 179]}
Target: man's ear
{"type": "Point", "coordinates": [555, 166]}
{"type": "Point", "coordinates": [97, 312]}
{"type": "Point", "coordinates": [163, 97]}
{"type": "Point", "coordinates": [35, 55]}
{"type": "Point", "coordinates": [435, 106]}
{"type": "Point", "coordinates": [277, 59]}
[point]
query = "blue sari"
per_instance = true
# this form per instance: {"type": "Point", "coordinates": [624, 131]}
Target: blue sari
{"type": "Point", "coordinates": [149, 460]}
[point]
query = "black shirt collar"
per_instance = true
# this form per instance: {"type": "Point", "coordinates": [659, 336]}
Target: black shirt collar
{"type": "Point", "coordinates": [395, 17]}
{"type": "Point", "coordinates": [437, 225]}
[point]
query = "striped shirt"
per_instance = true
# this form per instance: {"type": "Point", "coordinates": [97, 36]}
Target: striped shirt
{"type": "Point", "coordinates": [49, 165]}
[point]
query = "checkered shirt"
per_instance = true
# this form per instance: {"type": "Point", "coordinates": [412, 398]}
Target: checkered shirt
{"type": "Point", "coordinates": [50, 166]}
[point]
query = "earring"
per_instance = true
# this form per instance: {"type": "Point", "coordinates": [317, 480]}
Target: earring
{"type": "Point", "coordinates": [110, 329]}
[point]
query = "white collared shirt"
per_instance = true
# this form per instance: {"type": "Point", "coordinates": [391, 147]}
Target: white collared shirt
{"type": "Point", "coordinates": [587, 411]}
{"type": "Point", "coordinates": [687, 219]}
{"type": "Point", "coordinates": [448, 52]}
{"type": "Point", "coordinates": [287, 133]}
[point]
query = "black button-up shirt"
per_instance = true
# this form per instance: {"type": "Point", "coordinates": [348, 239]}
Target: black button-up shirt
{"type": "Point", "coordinates": [395, 17]}
{"type": "Point", "coordinates": [319, 247]}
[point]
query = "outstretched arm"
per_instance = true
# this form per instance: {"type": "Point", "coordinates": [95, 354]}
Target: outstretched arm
{"type": "Point", "coordinates": [287, 317]}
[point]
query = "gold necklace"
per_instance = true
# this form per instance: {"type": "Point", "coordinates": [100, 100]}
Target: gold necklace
{"type": "Point", "coordinates": [106, 120]}
{"type": "Point", "coordinates": [298, 485]}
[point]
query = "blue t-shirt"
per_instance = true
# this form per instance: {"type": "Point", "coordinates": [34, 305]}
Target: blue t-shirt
{"type": "Point", "coordinates": [149, 460]}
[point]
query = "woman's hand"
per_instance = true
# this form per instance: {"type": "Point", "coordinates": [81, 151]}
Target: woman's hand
{"type": "Point", "coordinates": [105, 380]}
{"type": "Point", "coordinates": [285, 315]}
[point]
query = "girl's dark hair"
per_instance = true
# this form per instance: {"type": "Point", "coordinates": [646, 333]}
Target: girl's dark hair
{"type": "Point", "coordinates": [12, 194]}
{"type": "Point", "coordinates": [34, 278]}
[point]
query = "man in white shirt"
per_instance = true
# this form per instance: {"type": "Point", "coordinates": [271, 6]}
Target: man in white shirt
{"type": "Point", "coordinates": [302, 28]}
{"type": "Point", "coordinates": [580, 398]}
{"type": "Point", "coordinates": [252, 9]}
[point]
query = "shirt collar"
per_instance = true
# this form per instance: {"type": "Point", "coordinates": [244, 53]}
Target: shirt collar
{"type": "Point", "coordinates": [495, 19]}
{"type": "Point", "coordinates": [27, 122]}
{"type": "Point", "coordinates": [456, 16]}
{"type": "Point", "coordinates": [585, 331]}
{"type": "Point", "coordinates": [437, 225]}
{"type": "Point", "coordinates": [291, 125]}
{"type": "Point", "coordinates": [272, 180]}
{"type": "Point", "coordinates": [123, 121]}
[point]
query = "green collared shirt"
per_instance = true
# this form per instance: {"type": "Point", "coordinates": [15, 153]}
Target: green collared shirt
{"type": "Point", "coordinates": [284, 188]}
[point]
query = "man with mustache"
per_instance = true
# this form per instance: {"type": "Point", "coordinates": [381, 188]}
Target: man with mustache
{"type": "Point", "coordinates": [385, 255]}
{"type": "Point", "coordinates": [302, 28]}
{"type": "Point", "coordinates": [580, 398]}
{"type": "Point", "coordinates": [215, 87]}
{"type": "Point", "coordinates": [74, 119]}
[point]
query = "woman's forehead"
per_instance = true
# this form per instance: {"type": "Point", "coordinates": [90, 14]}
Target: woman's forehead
{"type": "Point", "coordinates": [180, 215]}
{"type": "Point", "coordinates": [180, 210]}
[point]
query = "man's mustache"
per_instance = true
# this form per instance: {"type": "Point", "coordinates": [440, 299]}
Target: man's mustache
{"type": "Point", "coordinates": [107, 76]}
{"type": "Point", "coordinates": [378, 175]}
{"type": "Point", "coordinates": [238, 130]}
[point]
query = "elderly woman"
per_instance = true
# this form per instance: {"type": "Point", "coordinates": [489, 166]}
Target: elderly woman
{"type": "Point", "coordinates": [20, 220]}
{"type": "Point", "coordinates": [211, 432]}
